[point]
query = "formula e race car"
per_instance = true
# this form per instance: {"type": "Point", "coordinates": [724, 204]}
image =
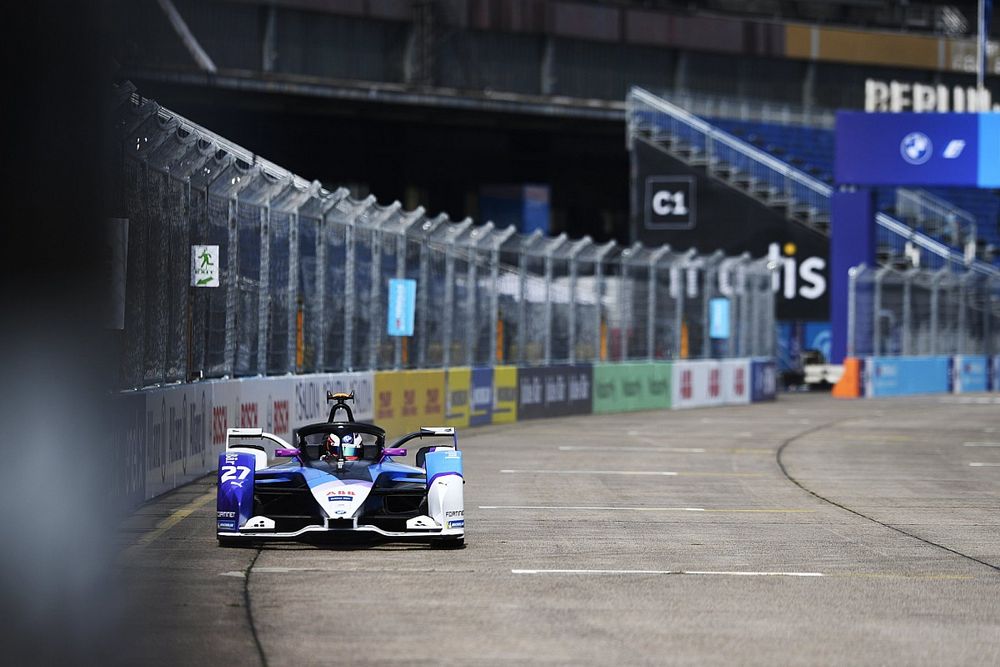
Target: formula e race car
{"type": "Point", "coordinates": [340, 484]}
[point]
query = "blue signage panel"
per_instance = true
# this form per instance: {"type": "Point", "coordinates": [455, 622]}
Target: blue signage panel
{"type": "Point", "coordinates": [481, 403]}
{"type": "Point", "coordinates": [953, 149]}
{"type": "Point", "coordinates": [402, 306]}
{"type": "Point", "coordinates": [718, 317]}
{"type": "Point", "coordinates": [899, 376]}
{"type": "Point", "coordinates": [763, 380]}
{"type": "Point", "coordinates": [972, 373]}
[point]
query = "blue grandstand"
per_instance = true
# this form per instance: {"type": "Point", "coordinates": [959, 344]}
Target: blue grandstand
{"type": "Point", "coordinates": [811, 150]}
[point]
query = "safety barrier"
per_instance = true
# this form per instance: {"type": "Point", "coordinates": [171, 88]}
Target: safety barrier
{"type": "Point", "coordinates": [902, 376]}
{"type": "Point", "coordinates": [165, 437]}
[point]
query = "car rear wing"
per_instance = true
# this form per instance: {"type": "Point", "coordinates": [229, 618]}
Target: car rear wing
{"type": "Point", "coordinates": [431, 432]}
{"type": "Point", "coordinates": [257, 450]}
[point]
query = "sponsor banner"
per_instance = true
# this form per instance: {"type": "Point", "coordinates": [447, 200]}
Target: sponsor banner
{"type": "Point", "coordinates": [696, 384]}
{"type": "Point", "coordinates": [128, 449]}
{"type": "Point", "coordinates": [458, 386]}
{"type": "Point", "coordinates": [954, 149]}
{"type": "Point", "coordinates": [899, 376]}
{"type": "Point", "coordinates": [995, 376]}
{"type": "Point", "coordinates": [309, 405]}
{"type": "Point", "coordinates": [554, 391]}
{"type": "Point", "coordinates": [735, 380]}
{"type": "Point", "coordinates": [627, 387]}
{"type": "Point", "coordinates": [972, 373]}
{"type": "Point", "coordinates": [763, 380]}
{"type": "Point", "coordinates": [177, 432]}
{"type": "Point", "coordinates": [504, 395]}
{"type": "Point", "coordinates": [407, 400]}
{"type": "Point", "coordinates": [481, 398]}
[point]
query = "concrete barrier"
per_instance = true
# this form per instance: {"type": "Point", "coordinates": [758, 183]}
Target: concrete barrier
{"type": "Point", "coordinates": [165, 437]}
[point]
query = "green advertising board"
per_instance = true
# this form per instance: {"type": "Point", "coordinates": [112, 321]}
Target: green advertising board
{"type": "Point", "coordinates": [631, 386]}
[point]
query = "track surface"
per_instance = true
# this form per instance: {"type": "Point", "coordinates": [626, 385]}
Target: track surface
{"type": "Point", "coordinates": [878, 497]}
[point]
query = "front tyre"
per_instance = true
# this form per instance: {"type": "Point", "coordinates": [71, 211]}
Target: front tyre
{"type": "Point", "coordinates": [448, 543]}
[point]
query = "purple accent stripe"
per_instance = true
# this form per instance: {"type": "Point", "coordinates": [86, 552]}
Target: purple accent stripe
{"type": "Point", "coordinates": [443, 474]}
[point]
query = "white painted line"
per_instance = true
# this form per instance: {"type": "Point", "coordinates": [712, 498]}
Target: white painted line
{"type": "Point", "coordinates": [584, 507]}
{"type": "Point", "coordinates": [613, 449]}
{"type": "Point", "coordinates": [984, 465]}
{"type": "Point", "coordinates": [589, 472]}
{"type": "Point", "coordinates": [981, 444]}
{"type": "Point", "coordinates": [690, 572]}
{"type": "Point", "coordinates": [754, 510]}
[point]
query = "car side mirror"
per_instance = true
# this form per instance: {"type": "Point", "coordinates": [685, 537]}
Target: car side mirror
{"type": "Point", "coordinates": [394, 451]}
{"type": "Point", "coordinates": [290, 452]}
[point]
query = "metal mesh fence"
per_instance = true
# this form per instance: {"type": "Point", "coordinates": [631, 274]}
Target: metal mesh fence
{"type": "Point", "coordinates": [304, 277]}
{"type": "Point", "coordinates": [923, 312]}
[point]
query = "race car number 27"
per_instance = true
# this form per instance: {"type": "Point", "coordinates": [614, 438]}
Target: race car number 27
{"type": "Point", "coordinates": [230, 473]}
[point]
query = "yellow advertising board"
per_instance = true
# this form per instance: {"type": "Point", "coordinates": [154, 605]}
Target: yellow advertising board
{"type": "Point", "coordinates": [457, 384]}
{"type": "Point", "coordinates": [504, 394]}
{"type": "Point", "coordinates": [407, 400]}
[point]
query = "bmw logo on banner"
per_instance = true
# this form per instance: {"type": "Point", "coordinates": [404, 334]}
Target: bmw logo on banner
{"type": "Point", "coordinates": [916, 148]}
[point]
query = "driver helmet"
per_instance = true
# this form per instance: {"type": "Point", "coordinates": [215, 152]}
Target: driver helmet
{"type": "Point", "coordinates": [352, 446]}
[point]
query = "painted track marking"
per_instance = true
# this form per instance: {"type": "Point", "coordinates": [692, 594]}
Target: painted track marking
{"type": "Point", "coordinates": [978, 464]}
{"type": "Point", "coordinates": [679, 450]}
{"type": "Point", "coordinates": [660, 473]}
{"type": "Point", "coordinates": [646, 509]}
{"type": "Point", "coordinates": [591, 472]}
{"type": "Point", "coordinates": [175, 518]}
{"type": "Point", "coordinates": [674, 572]}
{"type": "Point", "coordinates": [981, 444]}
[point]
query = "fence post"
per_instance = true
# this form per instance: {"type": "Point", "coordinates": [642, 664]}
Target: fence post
{"type": "Point", "coordinates": [934, 312]}
{"type": "Point", "coordinates": [477, 236]}
{"type": "Point", "coordinates": [550, 250]}
{"type": "Point", "coordinates": [907, 312]}
{"type": "Point", "coordinates": [498, 241]}
{"type": "Point", "coordinates": [292, 315]}
{"type": "Point", "coordinates": [624, 296]}
{"type": "Point", "coordinates": [410, 219]}
{"type": "Point", "coordinates": [264, 287]}
{"type": "Point", "coordinates": [852, 304]}
{"type": "Point", "coordinates": [651, 302]}
{"type": "Point", "coordinates": [349, 263]}
{"type": "Point", "coordinates": [961, 335]}
{"type": "Point", "coordinates": [574, 253]}
{"type": "Point", "coordinates": [599, 294]}
{"type": "Point", "coordinates": [877, 307]}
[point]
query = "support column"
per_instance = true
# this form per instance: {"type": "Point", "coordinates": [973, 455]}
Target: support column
{"type": "Point", "coordinates": [852, 242]}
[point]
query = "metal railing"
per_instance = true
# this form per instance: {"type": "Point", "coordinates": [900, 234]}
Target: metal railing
{"type": "Point", "coordinates": [937, 217]}
{"type": "Point", "coordinates": [724, 154]}
{"type": "Point", "coordinates": [922, 312]}
{"type": "Point", "coordinates": [304, 274]}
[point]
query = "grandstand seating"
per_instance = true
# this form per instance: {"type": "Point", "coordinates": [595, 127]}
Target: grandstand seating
{"type": "Point", "coordinates": [811, 149]}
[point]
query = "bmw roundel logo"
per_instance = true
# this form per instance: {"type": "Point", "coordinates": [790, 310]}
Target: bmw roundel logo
{"type": "Point", "coordinates": [916, 148]}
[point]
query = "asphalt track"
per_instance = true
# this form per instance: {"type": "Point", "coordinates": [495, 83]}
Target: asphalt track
{"type": "Point", "coordinates": [807, 531]}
